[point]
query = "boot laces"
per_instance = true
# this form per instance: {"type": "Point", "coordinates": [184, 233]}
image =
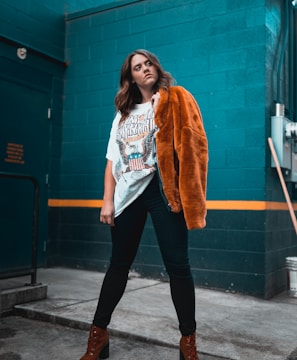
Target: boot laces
{"type": "Point", "coordinates": [94, 336]}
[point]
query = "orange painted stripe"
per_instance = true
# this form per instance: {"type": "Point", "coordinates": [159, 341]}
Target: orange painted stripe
{"type": "Point", "coordinates": [75, 203]}
{"type": "Point", "coordinates": [246, 205]}
{"type": "Point", "coordinates": [211, 204]}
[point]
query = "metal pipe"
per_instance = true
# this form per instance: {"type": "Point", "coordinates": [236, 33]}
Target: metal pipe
{"type": "Point", "coordinates": [294, 54]}
{"type": "Point", "coordinates": [283, 184]}
{"type": "Point", "coordinates": [291, 65]}
{"type": "Point", "coordinates": [281, 60]}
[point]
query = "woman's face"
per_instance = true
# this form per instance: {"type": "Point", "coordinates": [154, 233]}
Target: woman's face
{"type": "Point", "coordinates": [144, 73]}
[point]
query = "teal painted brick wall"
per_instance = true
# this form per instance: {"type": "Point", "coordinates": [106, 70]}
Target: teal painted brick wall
{"type": "Point", "coordinates": [223, 53]}
{"type": "Point", "coordinates": [217, 52]}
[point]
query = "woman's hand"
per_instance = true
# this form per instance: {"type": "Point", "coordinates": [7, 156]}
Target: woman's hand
{"type": "Point", "coordinates": [107, 213]}
{"type": "Point", "coordinates": [155, 100]}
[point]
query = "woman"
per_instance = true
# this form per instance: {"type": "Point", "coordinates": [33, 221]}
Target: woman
{"type": "Point", "coordinates": [156, 163]}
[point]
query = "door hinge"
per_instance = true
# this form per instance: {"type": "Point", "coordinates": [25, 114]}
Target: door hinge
{"type": "Point", "coordinates": [49, 113]}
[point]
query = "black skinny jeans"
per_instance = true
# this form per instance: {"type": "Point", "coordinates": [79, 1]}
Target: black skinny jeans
{"type": "Point", "coordinates": [172, 237]}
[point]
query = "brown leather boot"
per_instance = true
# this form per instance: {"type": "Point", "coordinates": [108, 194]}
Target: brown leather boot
{"type": "Point", "coordinates": [98, 344]}
{"type": "Point", "coordinates": [187, 348]}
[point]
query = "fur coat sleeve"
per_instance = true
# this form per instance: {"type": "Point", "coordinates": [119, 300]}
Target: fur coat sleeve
{"type": "Point", "coordinates": [182, 153]}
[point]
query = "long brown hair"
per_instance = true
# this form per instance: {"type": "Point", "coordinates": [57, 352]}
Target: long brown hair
{"type": "Point", "coordinates": [129, 94]}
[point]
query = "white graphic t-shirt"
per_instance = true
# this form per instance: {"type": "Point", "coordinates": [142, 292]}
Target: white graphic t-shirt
{"type": "Point", "coordinates": [131, 150]}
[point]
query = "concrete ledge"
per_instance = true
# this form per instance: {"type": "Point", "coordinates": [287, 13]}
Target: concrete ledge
{"type": "Point", "coordinates": [10, 298]}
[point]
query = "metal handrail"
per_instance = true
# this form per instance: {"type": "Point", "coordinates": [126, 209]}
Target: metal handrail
{"type": "Point", "coordinates": [33, 270]}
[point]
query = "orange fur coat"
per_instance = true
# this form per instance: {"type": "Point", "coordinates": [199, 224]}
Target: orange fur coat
{"type": "Point", "coordinates": [182, 153]}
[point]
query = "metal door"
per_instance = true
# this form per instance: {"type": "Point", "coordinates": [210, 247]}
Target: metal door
{"type": "Point", "coordinates": [24, 143]}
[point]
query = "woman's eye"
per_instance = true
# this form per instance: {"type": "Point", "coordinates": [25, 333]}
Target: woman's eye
{"type": "Point", "coordinates": [137, 68]}
{"type": "Point", "coordinates": [149, 63]}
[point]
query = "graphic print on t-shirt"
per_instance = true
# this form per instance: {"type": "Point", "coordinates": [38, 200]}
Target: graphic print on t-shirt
{"type": "Point", "coordinates": [131, 149]}
{"type": "Point", "coordinates": [135, 138]}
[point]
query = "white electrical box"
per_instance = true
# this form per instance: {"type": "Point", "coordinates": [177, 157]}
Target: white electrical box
{"type": "Point", "coordinates": [283, 145]}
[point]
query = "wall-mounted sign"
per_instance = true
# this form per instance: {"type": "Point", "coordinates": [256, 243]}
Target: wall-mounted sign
{"type": "Point", "coordinates": [15, 153]}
